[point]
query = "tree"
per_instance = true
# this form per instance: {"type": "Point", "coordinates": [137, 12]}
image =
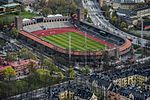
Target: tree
{"type": "Point", "coordinates": [107, 13]}
{"type": "Point", "coordinates": [123, 25]}
{"type": "Point", "coordinates": [9, 72]}
{"type": "Point", "coordinates": [48, 62]}
{"type": "Point", "coordinates": [23, 53]}
{"type": "Point", "coordinates": [89, 20]}
{"type": "Point", "coordinates": [11, 57]}
{"type": "Point", "coordinates": [21, 85]}
{"type": "Point", "coordinates": [43, 74]}
{"type": "Point", "coordinates": [71, 73]}
{"type": "Point", "coordinates": [87, 70]}
{"type": "Point", "coordinates": [57, 6]}
{"type": "Point", "coordinates": [60, 74]}
{"type": "Point", "coordinates": [46, 11]}
{"type": "Point", "coordinates": [32, 55]}
{"type": "Point", "coordinates": [31, 67]}
{"type": "Point", "coordinates": [114, 19]}
{"type": "Point", "coordinates": [26, 54]}
{"type": "Point", "coordinates": [14, 32]}
{"type": "Point", "coordinates": [105, 8]}
{"type": "Point", "coordinates": [85, 13]}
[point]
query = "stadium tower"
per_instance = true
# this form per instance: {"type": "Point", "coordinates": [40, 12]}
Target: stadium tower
{"type": "Point", "coordinates": [18, 23]}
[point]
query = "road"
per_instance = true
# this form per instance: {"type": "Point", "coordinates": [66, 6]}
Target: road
{"type": "Point", "coordinates": [96, 15]}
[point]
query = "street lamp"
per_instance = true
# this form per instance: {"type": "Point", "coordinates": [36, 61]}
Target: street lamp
{"type": "Point", "coordinates": [141, 33]}
{"type": "Point", "coordinates": [141, 30]}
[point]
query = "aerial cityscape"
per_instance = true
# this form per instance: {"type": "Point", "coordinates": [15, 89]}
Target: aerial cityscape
{"type": "Point", "coordinates": [74, 49]}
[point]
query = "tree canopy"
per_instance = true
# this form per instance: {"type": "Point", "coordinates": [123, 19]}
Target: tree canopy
{"type": "Point", "coordinates": [9, 72]}
{"type": "Point", "coordinates": [71, 73]}
{"type": "Point", "coordinates": [43, 74]}
{"type": "Point", "coordinates": [57, 6]}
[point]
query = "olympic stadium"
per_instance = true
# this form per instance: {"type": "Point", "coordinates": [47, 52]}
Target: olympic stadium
{"type": "Point", "coordinates": [72, 41]}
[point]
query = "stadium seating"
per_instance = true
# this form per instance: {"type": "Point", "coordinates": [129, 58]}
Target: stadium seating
{"type": "Point", "coordinates": [102, 35]}
{"type": "Point", "coordinates": [47, 25]}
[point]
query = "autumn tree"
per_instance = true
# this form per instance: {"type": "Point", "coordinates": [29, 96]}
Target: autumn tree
{"type": "Point", "coordinates": [9, 72]}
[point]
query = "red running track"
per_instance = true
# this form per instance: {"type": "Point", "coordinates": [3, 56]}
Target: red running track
{"type": "Point", "coordinates": [55, 31]}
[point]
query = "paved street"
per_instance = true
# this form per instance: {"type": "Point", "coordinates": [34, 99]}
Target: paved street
{"type": "Point", "coordinates": [99, 20]}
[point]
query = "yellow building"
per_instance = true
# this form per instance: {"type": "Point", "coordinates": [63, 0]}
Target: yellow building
{"type": "Point", "coordinates": [93, 97]}
{"type": "Point", "coordinates": [130, 80]}
{"type": "Point", "coordinates": [66, 95]}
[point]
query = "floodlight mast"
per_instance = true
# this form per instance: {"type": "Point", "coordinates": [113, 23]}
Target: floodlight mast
{"type": "Point", "coordinates": [141, 33]}
{"type": "Point", "coordinates": [69, 36]}
{"type": "Point", "coordinates": [85, 41]}
{"type": "Point", "coordinates": [141, 30]}
{"type": "Point", "coordinates": [69, 48]}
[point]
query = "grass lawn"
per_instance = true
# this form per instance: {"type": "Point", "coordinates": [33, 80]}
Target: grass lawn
{"type": "Point", "coordinates": [77, 42]}
{"type": "Point", "coordinates": [8, 18]}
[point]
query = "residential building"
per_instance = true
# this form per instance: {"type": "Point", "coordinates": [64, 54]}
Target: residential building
{"type": "Point", "coordinates": [131, 17]}
{"type": "Point", "coordinates": [13, 7]}
{"type": "Point", "coordinates": [84, 95]}
{"type": "Point", "coordinates": [130, 84]}
{"type": "Point", "coordinates": [69, 95]}
{"type": "Point", "coordinates": [124, 5]}
{"type": "Point", "coordinates": [9, 8]}
{"type": "Point", "coordinates": [6, 1]}
{"type": "Point", "coordinates": [22, 67]}
{"type": "Point", "coordinates": [73, 93]}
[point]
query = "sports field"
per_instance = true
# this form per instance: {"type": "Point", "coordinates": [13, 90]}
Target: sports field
{"type": "Point", "coordinates": [78, 42]}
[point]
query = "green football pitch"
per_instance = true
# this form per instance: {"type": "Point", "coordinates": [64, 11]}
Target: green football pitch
{"type": "Point", "coordinates": [78, 42]}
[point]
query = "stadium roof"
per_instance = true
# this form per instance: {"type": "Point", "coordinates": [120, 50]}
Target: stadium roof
{"type": "Point", "coordinates": [51, 16]}
{"type": "Point", "coordinates": [59, 15]}
{"type": "Point", "coordinates": [25, 19]}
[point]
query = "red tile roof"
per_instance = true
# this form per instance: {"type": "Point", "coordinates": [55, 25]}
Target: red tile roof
{"type": "Point", "coordinates": [21, 63]}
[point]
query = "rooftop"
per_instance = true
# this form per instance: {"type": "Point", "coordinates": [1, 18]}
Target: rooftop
{"type": "Point", "coordinates": [3, 67]}
{"type": "Point", "coordinates": [128, 1]}
{"type": "Point", "coordinates": [143, 8]}
{"type": "Point", "coordinates": [21, 62]}
{"type": "Point", "coordinates": [11, 5]}
{"type": "Point", "coordinates": [105, 79]}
